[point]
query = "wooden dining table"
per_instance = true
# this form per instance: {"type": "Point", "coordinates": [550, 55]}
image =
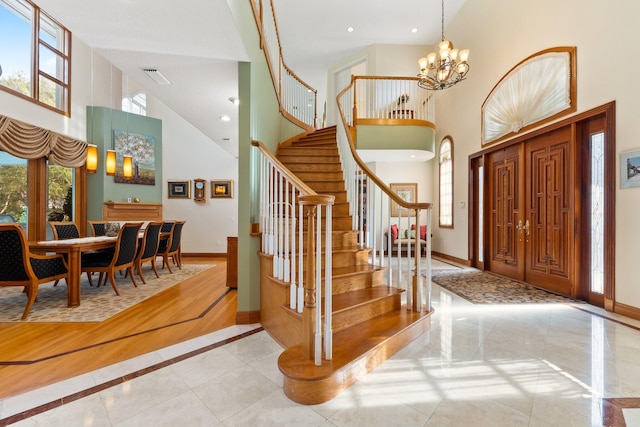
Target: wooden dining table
{"type": "Point", "coordinates": [73, 248]}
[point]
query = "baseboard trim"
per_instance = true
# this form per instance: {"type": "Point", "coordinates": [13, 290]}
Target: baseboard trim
{"type": "Point", "coordinates": [627, 310]}
{"type": "Point", "coordinates": [204, 254]}
{"type": "Point", "coordinates": [247, 317]}
{"type": "Point", "coordinates": [465, 262]}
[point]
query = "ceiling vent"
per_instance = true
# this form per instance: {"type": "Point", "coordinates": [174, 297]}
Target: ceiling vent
{"type": "Point", "coordinates": [156, 76]}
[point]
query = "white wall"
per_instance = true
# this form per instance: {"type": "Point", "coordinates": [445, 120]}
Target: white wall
{"type": "Point", "coordinates": [188, 154]}
{"type": "Point", "coordinates": [407, 173]}
{"type": "Point", "coordinates": [500, 34]}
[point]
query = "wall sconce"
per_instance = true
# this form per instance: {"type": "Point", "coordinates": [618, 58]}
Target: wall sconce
{"type": "Point", "coordinates": [92, 158]}
{"type": "Point", "coordinates": [127, 166]}
{"type": "Point", "coordinates": [110, 164]}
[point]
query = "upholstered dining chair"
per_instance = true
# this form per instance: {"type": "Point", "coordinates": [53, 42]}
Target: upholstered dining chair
{"type": "Point", "coordinates": [19, 267]}
{"type": "Point", "coordinates": [97, 227]}
{"type": "Point", "coordinates": [122, 258]}
{"type": "Point", "coordinates": [148, 248]}
{"type": "Point", "coordinates": [171, 247]}
{"type": "Point", "coordinates": [64, 230]}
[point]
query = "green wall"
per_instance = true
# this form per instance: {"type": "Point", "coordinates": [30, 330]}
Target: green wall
{"type": "Point", "coordinates": [101, 122]}
{"type": "Point", "coordinates": [389, 137]}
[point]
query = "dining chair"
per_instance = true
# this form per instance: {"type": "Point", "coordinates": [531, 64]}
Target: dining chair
{"type": "Point", "coordinates": [97, 227]}
{"type": "Point", "coordinates": [20, 267]}
{"type": "Point", "coordinates": [148, 248]}
{"type": "Point", "coordinates": [64, 230]}
{"type": "Point", "coordinates": [121, 259]}
{"type": "Point", "coordinates": [172, 247]}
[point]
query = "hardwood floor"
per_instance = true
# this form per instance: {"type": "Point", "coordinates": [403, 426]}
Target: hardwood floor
{"type": "Point", "coordinates": [33, 355]}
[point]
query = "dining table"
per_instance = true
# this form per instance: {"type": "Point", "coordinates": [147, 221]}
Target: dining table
{"type": "Point", "coordinates": [73, 249]}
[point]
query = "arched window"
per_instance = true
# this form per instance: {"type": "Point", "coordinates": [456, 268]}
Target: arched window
{"type": "Point", "coordinates": [446, 182]}
{"type": "Point", "coordinates": [136, 104]}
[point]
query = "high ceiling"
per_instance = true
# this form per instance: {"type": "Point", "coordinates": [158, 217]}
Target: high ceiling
{"type": "Point", "coordinates": [196, 44]}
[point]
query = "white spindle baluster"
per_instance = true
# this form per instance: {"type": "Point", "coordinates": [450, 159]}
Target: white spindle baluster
{"type": "Point", "coordinates": [300, 259]}
{"type": "Point", "coordinates": [287, 267]}
{"type": "Point", "coordinates": [328, 287]}
{"type": "Point", "coordinates": [318, 287]}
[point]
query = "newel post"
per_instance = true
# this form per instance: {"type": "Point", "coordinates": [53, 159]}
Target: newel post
{"type": "Point", "coordinates": [311, 314]}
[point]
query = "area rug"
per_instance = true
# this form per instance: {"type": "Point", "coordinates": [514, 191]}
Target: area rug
{"type": "Point", "coordinates": [96, 304]}
{"type": "Point", "coordinates": [481, 287]}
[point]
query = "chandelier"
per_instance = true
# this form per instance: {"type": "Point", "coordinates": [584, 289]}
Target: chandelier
{"type": "Point", "coordinates": [443, 69]}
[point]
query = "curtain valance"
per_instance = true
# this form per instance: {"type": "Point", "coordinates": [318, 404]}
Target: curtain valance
{"type": "Point", "coordinates": [31, 142]}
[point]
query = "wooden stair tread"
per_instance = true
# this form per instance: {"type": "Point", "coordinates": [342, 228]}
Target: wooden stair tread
{"type": "Point", "coordinates": [351, 299]}
{"type": "Point", "coordinates": [348, 345]}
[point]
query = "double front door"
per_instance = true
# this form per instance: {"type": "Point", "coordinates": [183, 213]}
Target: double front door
{"type": "Point", "coordinates": [531, 212]}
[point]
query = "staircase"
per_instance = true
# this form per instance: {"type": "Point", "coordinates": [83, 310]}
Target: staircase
{"type": "Point", "coordinates": [370, 324]}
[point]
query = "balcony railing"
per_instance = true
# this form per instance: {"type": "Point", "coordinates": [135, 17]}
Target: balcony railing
{"type": "Point", "coordinates": [374, 97]}
{"type": "Point", "coordinates": [298, 100]}
{"type": "Point", "coordinates": [370, 199]}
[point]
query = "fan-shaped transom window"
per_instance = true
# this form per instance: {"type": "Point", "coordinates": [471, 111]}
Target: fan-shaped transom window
{"type": "Point", "coordinates": [537, 90]}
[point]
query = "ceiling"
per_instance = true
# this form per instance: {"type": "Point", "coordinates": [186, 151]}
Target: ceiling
{"type": "Point", "coordinates": [196, 44]}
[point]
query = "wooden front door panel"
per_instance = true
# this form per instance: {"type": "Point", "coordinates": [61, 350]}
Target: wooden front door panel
{"type": "Point", "coordinates": [506, 248]}
{"type": "Point", "coordinates": [550, 211]}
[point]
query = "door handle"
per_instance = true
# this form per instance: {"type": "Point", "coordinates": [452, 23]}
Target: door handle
{"type": "Point", "coordinates": [519, 227]}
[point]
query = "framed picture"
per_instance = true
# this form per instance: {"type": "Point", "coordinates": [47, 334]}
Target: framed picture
{"type": "Point", "coordinates": [179, 189]}
{"type": "Point", "coordinates": [407, 192]}
{"type": "Point", "coordinates": [142, 150]}
{"type": "Point", "coordinates": [222, 189]}
{"type": "Point", "coordinates": [630, 169]}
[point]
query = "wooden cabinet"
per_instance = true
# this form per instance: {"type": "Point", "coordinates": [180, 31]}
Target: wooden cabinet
{"type": "Point", "coordinates": [123, 211]}
{"type": "Point", "coordinates": [232, 262]}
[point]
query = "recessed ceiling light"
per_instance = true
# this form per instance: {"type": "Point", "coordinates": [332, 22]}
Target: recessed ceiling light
{"type": "Point", "coordinates": [413, 156]}
{"type": "Point", "coordinates": [350, 29]}
{"type": "Point", "coordinates": [414, 30]}
{"type": "Point", "coordinates": [234, 100]}
{"type": "Point", "coordinates": [225, 118]}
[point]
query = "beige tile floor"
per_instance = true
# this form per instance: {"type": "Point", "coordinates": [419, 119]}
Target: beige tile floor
{"type": "Point", "coordinates": [479, 365]}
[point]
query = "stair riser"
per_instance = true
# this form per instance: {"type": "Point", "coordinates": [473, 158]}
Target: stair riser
{"type": "Point", "coordinates": [314, 167]}
{"type": "Point", "coordinates": [339, 239]}
{"type": "Point", "coordinates": [339, 223]}
{"type": "Point", "coordinates": [288, 159]}
{"type": "Point", "coordinates": [321, 176]}
{"type": "Point", "coordinates": [364, 312]}
{"type": "Point", "coordinates": [307, 152]}
{"type": "Point", "coordinates": [327, 187]}
{"type": "Point", "coordinates": [320, 143]}
{"type": "Point", "coordinates": [355, 281]}
{"type": "Point", "coordinates": [345, 259]}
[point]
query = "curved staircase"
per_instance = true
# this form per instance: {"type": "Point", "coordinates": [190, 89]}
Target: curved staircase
{"type": "Point", "coordinates": [370, 323]}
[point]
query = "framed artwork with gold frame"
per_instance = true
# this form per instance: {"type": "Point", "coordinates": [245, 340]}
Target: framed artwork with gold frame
{"type": "Point", "coordinates": [408, 193]}
{"type": "Point", "coordinates": [221, 189]}
{"type": "Point", "coordinates": [179, 189]}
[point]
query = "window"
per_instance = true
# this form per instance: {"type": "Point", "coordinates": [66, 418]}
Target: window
{"type": "Point", "coordinates": [136, 105]}
{"type": "Point", "coordinates": [36, 69]}
{"type": "Point", "coordinates": [446, 182]}
{"type": "Point", "coordinates": [13, 189]}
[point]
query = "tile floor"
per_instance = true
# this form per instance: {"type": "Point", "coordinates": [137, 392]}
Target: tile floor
{"type": "Point", "coordinates": [479, 365]}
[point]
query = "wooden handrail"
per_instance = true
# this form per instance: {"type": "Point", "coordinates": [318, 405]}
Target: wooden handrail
{"type": "Point", "coordinates": [384, 187]}
{"type": "Point", "coordinates": [299, 184]}
{"type": "Point", "coordinates": [276, 77]}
